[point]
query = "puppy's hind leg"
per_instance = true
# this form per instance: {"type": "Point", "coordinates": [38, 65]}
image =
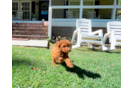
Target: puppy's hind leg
{"type": "Point", "coordinates": [60, 60]}
{"type": "Point", "coordinates": [54, 62]}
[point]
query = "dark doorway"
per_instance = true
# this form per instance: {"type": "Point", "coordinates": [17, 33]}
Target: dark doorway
{"type": "Point", "coordinates": [97, 10]}
{"type": "Point", "coordinates": [33, 8]}
{"type": "Point", "coordinates": [65, 9]}
{"type": "Point", "coordinates": [43, 10]}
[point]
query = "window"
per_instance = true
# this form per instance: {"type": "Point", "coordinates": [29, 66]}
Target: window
{"type": "Point", "coordinates": [66, 2]}
{"type": "Point", "coordinates": [118, 14]}
{"type": "Point", "coordinates": [65, 13]}
{"type": "Point", "coordinates": [26, 10]}
{"type": "Point", "coordinates": [98, 2]}
{"type": "Point", "coordinates": [97, 13]}
{"type": "Point", "coordinates": [14, 8]}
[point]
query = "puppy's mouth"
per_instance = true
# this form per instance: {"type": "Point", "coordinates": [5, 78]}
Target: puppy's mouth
{"type": "Point", "coordinates": [69, 51]}
{"type": "Point", "coordinates": [66, 52]}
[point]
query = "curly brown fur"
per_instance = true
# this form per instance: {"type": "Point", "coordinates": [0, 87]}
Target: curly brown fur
{"type": "Point", "coordinates": [60, 53]}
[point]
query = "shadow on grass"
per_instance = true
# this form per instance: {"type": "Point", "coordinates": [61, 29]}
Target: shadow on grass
{"type": "Point", "coordinates": [19, 62]}
{"type": "Point", "coordinates": [81, 72]}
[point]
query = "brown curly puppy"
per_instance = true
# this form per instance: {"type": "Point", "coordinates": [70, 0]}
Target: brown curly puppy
{"type": "Point", "coordinates": [60, 53]}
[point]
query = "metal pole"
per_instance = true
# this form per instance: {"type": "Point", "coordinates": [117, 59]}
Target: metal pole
{"type": "Point", "coordinates": [50, 21]}
{"type": "Point", "coordinates": [114, 10]}
{"type": "Point", "coordinates": [81, 9]}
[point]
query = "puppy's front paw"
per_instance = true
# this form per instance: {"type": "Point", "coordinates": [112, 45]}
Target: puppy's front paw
{"type": "Point", "coordinates": [54, 64]}
{"type": "Point", "coordinates": [69, 63]}
{"type": "Point", "coordinates": [70, 66]}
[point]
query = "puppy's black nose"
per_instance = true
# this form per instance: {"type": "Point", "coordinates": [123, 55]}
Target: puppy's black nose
{"type": "Point", "coordinates": [69, 50]}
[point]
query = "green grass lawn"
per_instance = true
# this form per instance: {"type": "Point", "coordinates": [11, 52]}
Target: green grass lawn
{"type": "Point", "coordinates": [32, 68]}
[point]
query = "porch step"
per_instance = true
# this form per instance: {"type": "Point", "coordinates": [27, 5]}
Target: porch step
{"type": "Point", "coordinates": [33, 31]}
{"type": "Point", "coordinates": [21, 39]}
{"type": "Point", "coordinates": [32, 37]}
{"type": "Point", "coordinates": [16, 32]}
{"type": "Point", "coordinates": [29, 28]}
{"type": "Point", "coordinates": [27, 24]}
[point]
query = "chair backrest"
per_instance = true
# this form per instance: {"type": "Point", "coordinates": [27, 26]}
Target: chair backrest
{"type": "Point", "coordinates": [69, 14]}
{"type": "Point", "coordinates": [84, 25]}
{"type": "Point", "coordinates": [91, 14]}
{"type": "Point", "coordinates": [116, 26]}
{"type": "Point", "coordinates": [20, 15]}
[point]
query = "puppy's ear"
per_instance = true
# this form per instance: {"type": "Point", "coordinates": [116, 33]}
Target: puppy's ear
{"type": "Point", "coordinates": [57, 44]}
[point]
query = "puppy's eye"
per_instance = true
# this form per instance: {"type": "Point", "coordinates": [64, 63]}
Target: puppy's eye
{"type": "Point", "coordinates": [64, 46]}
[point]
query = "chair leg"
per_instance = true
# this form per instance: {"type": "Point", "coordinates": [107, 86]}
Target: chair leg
{"type": "Point", "coordinates": [91, 46]}
{"type": "Point", "coordinates": [76, 46]}
{"type": "Point", "coordinates": [104, 48]}
{"type": "Point", "coordinates": [88, 44]}
{"type": "Point", "coordinates": [112, 46]}
{"type": "Point", "coordinates": [78, 42]}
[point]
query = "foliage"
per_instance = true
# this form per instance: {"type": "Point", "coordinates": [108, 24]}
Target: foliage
{"type": "Point", "coordinates": [33, 15]}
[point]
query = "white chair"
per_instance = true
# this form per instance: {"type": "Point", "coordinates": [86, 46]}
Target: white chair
{"type": "Point", "coordinates": [19, 16]}
{"type": "Point", "coordinates": [84, 30]}
{"type": "Point", "coordinates": [69, 14]}
{"type": "Point", "coordinates": [114, 33]}
{"type": "Point", "coordinates": [91, 14]}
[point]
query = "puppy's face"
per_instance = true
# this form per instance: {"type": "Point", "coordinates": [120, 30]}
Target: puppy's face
{"type": "Point", "coordinates": [64, 45]}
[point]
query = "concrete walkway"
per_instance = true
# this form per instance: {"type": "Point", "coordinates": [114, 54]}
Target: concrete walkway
{"type": "Point", "coordinates": [33, 43]}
